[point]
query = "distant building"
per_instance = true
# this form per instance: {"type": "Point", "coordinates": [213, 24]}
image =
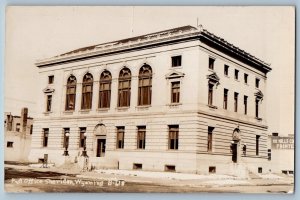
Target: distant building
{"type": "Point", "coordinates": [18, 130]}
{"type": "Point", "coordinates": [281, 153]}
{"type": "Point", "coordinates": [179, 100]}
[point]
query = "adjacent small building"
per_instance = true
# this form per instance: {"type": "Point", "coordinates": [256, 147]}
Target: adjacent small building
{"type": "Point", "coordinates": [18, 131]}
{"type": "Point", "coordinates": [181, 100]}
{"type": "Point", "coordinates": [281, 153]}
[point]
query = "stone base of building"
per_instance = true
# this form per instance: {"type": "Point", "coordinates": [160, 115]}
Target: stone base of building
{"type": "Point", "coordinates": [157, 161]}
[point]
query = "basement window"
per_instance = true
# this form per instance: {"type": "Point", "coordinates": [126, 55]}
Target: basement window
{"type": "Point", "coordinates": [137, 166]}
{"type": "Point", "coordinates": [212, 169]}
{"type": "Point", "coordinates": [9, 144]}
{"type": "Point", "coordinates": [170, 168]}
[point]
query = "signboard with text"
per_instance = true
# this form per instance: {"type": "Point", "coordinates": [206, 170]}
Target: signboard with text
{"type": "Point", "coordinates": [282, 143]}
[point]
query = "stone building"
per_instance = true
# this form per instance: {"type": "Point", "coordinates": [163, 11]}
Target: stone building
{"type": "Point", "coordinates": [18, 130]}
{"type": "Point", "coordinates": [179, 100]}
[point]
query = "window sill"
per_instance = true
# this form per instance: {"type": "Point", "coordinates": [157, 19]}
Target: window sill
{"type": "Point", "coordinates": [211, 70]}
{"type": "Point", "coordinates": [47, 113]}
{"type": "Point", "coordinates": [122, 108]}
{"type": "Point", "coordinates": [143, 107]}
{"type": "Point", "coordinates": [212, 106]}
{"type": "Point", "coordinates": [102, 109]}
{"type": "Point", "coordinates": [68, 112]}
{"type": "Point", "coordinates": [174, 105]}
{"type": "Point", "coordinates": [85, 111]}
{"type": "Point", "coordinates": [226, 76]}
{"type": "Point", "coordinates": [176, 67]}
{"type": "Point", "coordinates": [237, 80]}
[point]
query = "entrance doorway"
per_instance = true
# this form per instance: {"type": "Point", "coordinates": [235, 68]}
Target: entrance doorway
{"type": "Point", "coordinates": [234, 153]}
{"type": "Point", "coordinates": [101, 147]}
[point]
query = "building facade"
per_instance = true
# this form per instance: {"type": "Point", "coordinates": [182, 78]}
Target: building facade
{"type": "Point", "coordinates": [17, 140]}
{"type": "Point", "coordinates": [179, 100]}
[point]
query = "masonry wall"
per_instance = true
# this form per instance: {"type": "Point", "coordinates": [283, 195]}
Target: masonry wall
{"type": "Point", "coordinates": [192, 114]}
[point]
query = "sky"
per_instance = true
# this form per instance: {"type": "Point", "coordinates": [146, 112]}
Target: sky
{"type": "Point", "coordinates": [34, 33]}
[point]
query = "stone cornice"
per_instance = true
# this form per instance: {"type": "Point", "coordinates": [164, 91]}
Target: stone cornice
{"type": "Point", "coordinates": [153, 40]}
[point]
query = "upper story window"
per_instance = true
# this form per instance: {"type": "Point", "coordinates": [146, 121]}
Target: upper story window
{"type": "Point", "coordinates": [87, 91]}
{"type": "Point", "coordinates": [211, 63]}
{"type": "Point", "coordinates": [49, 103]}
{"type": "Point", "coordinates": [226, 69]}
{"type": "Point", "coordinates": [245, 78]}
{"type": "Point", "coordinates": [175, 92]}
{"type": "Point", "coordinates": [51, 79]}
{"type": "Point", "coordinates": [245, 104]}
{"type": "Point", "coordinates": [176, 61]}
{"type": "Point", "coordinates": [236, 96]}
{"type": "Point", "coordinates": [124, 88]}
{"type": "Point", "coordinates": [105, 90]}
{"type": "Point", "coordinates": [210, 94]}
{"type": "Point", "coordinates": [225, 101]}
{"type": "Point", "coordinates": [145, 85]}
{"type": "Point", "coordinates": [71, 93]}
{"type": "Point", "coordinates": [257, 82]}
{"type": "Point", "coordinates": [236, 74]}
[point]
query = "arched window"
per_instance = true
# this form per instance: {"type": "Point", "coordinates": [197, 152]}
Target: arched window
{"type": "Point", "coordinates": [124, 88]}
{"type": "Point", "coordinates": [105, 90]}
{"type": "Point", "coordinates": [145, 85]}
{"type": "Point", "coordinates": [87, 91]}
{"type": "Point", "coordinates": [71, 93]}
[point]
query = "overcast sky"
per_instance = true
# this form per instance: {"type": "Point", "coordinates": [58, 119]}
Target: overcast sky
{"type": "Point", "coordinates": [34, 33]}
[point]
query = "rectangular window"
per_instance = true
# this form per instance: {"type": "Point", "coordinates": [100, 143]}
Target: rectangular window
{"type": "Point", "coordinates": [269, 154]}
{"type": "Point", "coordinates": [245, 104]}
{"type": "Point", "coordinates": [50, 79]}
{"type": "Point", "coordinates": [9, 144]}
{"type": "Point", "coordinates": [104, 94]}
{"type": "Point", "coordinates": [257, 145]}
{"type": "Point", "coordinates": [256, 108]}
{"type": "Point", "coordinates": [31, 129]}
{"type": "Point", "coordinates": [176, 61]}
{"type": "Point", "coordinates": [210, 94]}
{"type": "Point", "coordinates": [173, 136]}
{"type": "Point", "coordinates": [236, 74]}
{"type": "Point", "coordinates": [124, 92]}
{"type": "Point", "coordinates": [45, 137]}
{"type": "Point", "coordinates": [49, 102]}
{"type": "Point", "coordinates": [120, 137]}
{"type": "Point", "coordinates": [18, 125]}
{"type": "Point", "coordinates": [245, 78]}
{"type": "Point", "coordinates": [82, 131]}
{"type": "Point", "coordinates": [175, 93]}
{"type": "Point", "coordinates": [257, 83]}
{"type": "Point", "coordinates": [225, 101]}
{"type": "Point", "coordinates": [236, 96]}
{"type": "Point", "coordinates": [226, 69]}
{"type": "Point", "coordinates": [66, 132]}
{"type": "Point", "coordinates": [211, 63]}
{"type": "Point", "coordinates": [141, 137]}
{"type": "Point", "coordinates": [209, 138]}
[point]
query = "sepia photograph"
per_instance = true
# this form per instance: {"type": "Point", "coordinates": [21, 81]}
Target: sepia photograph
{"type": "Point", "coordinates": [149, 99]}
